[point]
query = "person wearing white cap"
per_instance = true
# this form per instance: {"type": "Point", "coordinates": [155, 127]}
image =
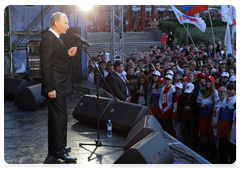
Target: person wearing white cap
{"type": "Point", "coordinates": [177, 126]}
{"type": "Point", "coordinates": [170, 72]}
{"type": "Point", "coordinates": [188, 115]}
{"type": "Point", "coordinates": [233, 79]}
{"type": "Point", "coordinates": [224, 78]}
{"type": "Point", "coordinates": [165, 105]}
{"type": "Point", "coordinates": [152, 85]}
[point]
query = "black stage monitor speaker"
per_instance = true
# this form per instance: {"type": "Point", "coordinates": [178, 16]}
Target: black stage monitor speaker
{"type": "Point", "coordinates": [29, 98]}
{"type": "Point", "coordinates": [12, 86]}
{"type": "Point", "coordinates": [144, 127]}
{"type": "Point", "coordinates": [124, 116]}
{"type": "Point", "coordinates": [86, 109]}
{"type": "Point", "coordinates": [153, 149]}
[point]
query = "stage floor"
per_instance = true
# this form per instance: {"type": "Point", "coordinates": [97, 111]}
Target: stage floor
{"type": "Point", "coordinates": [25, 136]}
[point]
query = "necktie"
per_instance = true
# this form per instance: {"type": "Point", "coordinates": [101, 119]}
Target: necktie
{"type": "Point", "coordinates": [123, 79]}
{"type": "Point", "coordinates": [125, 84]}
{"type": "Point", "coordinates": [60, 39]}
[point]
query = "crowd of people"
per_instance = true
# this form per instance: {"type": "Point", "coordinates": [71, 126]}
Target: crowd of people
{"type": "Point", "coordinates": [191, 91]}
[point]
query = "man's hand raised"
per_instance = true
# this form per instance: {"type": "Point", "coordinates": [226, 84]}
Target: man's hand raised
{"type": "Point", "coordinates": [72, 51]}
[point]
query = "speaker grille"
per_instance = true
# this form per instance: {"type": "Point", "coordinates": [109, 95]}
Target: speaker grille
{"type": "Point", "coordinates": [86, 109]}
{"type": "Point", "coordinates": [125, 116]}
{"type": "Point", "coordinates": [153, 149]}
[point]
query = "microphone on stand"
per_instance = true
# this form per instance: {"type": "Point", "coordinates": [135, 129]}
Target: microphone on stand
{"type": "Point", "coordinates": [82, 40]}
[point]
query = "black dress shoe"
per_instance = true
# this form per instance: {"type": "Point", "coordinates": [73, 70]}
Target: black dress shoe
{"type": "Point", "coordinates": [67, 158]}
{"type": "Point", "coordinates": [68, 149]}
{"type": "Point", "coordinates": [64, 157]}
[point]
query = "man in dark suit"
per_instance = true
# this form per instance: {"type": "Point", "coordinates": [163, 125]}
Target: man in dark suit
{"type": "Point", "coordinates": [118, 83]}
{"type": "Point", "coordinates": [56, 85]}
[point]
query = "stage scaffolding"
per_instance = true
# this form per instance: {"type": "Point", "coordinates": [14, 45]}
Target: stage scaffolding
{"type": "Point", "coordinates": [117, 36]}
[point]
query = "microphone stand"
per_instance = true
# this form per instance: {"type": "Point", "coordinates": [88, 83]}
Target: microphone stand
{"type": "Point", "coordinates": [99, 74]}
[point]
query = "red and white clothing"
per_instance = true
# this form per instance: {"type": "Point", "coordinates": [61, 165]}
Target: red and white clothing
{"type": "Point", "coordinates": [216, 111]}
{"type": "Point", "coordinates": [163, 39]}
{"type": "Point", "coordinates": [226, 118]}
{"type": "Point", "coordinates": [165, 101]}
{"type": "Point", "coordinates": [231, 101]}
{"type": "Point", "coordinates": [175, 102]}
{"type": "Point", "coordinates": [207, 100]}
{"type": "Point", "coordinates": [233, 132]}
{"type": "Point", "coordinates": [205, 113]}
{"type": "Point", "coordinates": [153, 87]}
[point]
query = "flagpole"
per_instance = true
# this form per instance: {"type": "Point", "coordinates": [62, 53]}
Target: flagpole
{"type": "Point", "coordinates": [212, 31]}
{"type": "Point", "coordinates": [190, 37]}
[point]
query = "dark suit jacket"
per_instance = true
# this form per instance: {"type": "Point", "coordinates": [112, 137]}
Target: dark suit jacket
{"type": "Point", "coordinates": [117, 86]}
{"type": "Point", "coordinates": [54, 66]}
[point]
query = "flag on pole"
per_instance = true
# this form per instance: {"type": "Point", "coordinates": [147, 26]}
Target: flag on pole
{"type": "Point", "coordinates": [194, 9]}
{"type": "Point", "coordinates": [232, 15]}
{"type": "Point", "coordinates": [225, 16]}
{"type": "Point", "coordinates": [182, 18]}
{"type": "Point", "coordinates": [227, 40]}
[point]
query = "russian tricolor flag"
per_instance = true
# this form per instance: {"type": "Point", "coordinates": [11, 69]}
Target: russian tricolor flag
{"type": "Point", "coordinates": [194, 9]}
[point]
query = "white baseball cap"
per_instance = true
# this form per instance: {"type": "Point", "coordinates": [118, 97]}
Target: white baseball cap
{"type": "Point", "coordinates": [157, 73]}
{"type": "Point", "coordinates": [170, 72]}
{"type": "Point", "coordinates": [232, 78]}
{"type": "Point", "coordinates": [225, 74]}
{"type": "Point", "coordinates": [168, 76]}
{"type": "Point", "coordinates": [179, 85]}
{"type": "Point", "coordinates": [189, 88]}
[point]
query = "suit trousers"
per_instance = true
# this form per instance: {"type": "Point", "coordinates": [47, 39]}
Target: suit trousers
{"type": "Point", "coordinates": [57, 125]}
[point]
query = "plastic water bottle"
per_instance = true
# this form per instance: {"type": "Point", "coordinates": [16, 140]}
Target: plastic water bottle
{"type": "Point", "coordinates": [109, 129]}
